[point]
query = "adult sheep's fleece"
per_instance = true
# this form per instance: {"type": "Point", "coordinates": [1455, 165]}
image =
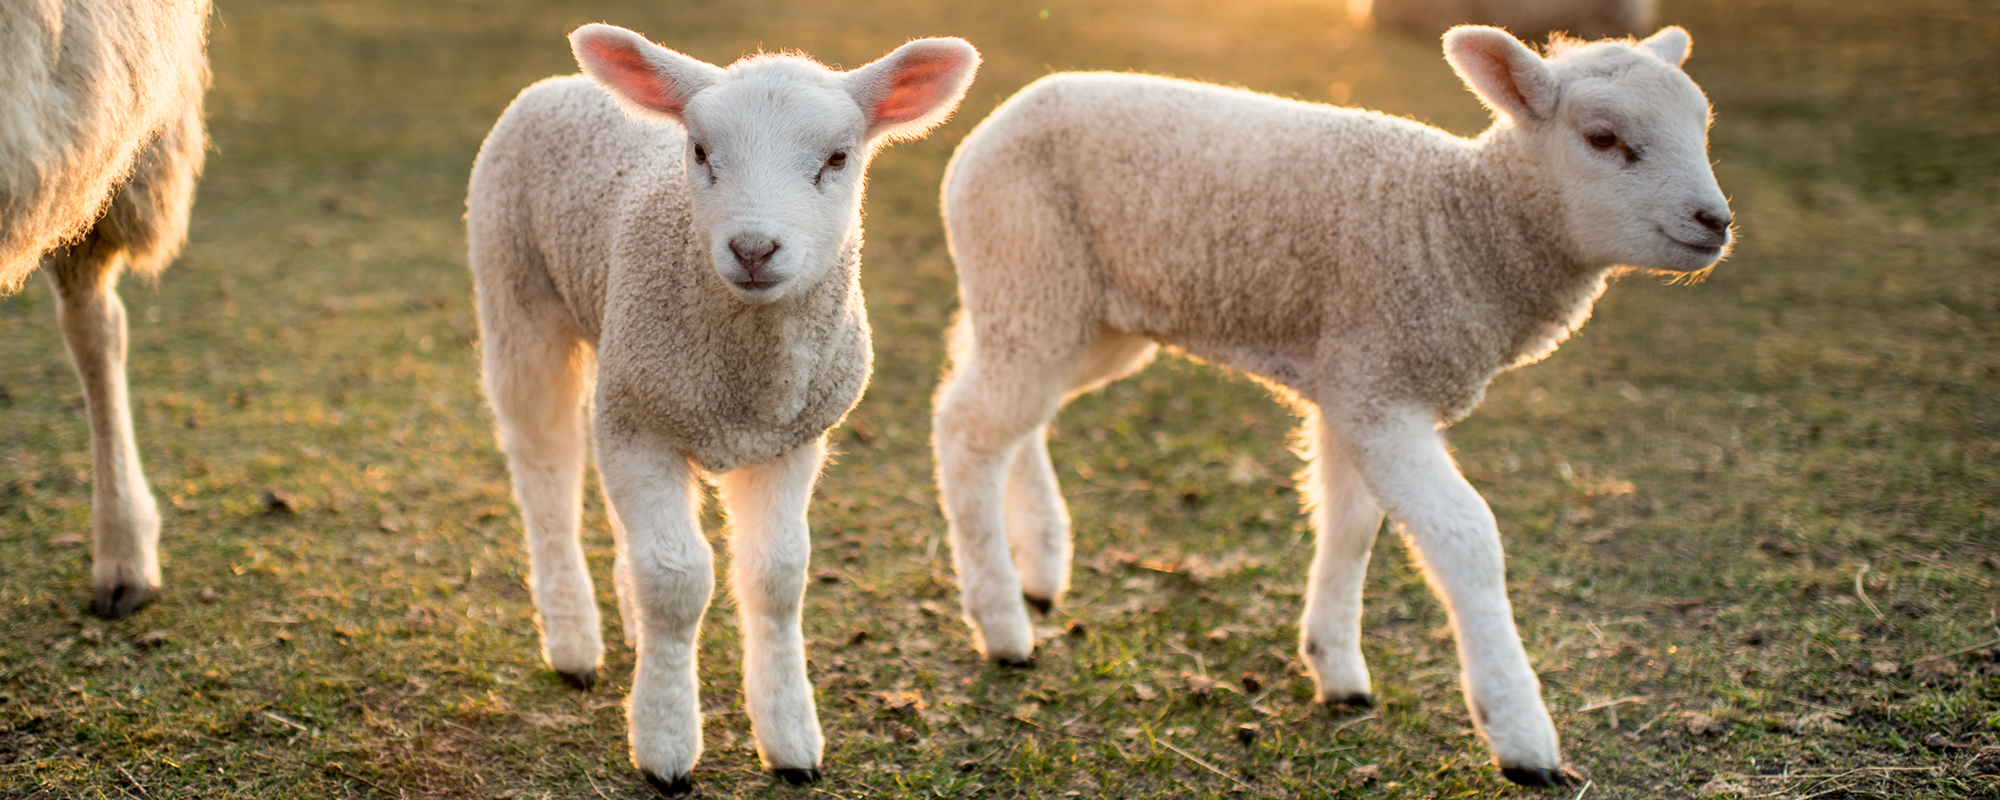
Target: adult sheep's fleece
{"type": "Point", "coordinates": [1379, 272]}
{"type": "Point", "coordinates": [103, 101]}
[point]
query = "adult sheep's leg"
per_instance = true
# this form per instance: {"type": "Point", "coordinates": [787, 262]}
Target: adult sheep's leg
{"type": "Point", "coordinates": [1454, 536]}
{"type": "Point", "coordinates": [1038, 525]}
{"type": "Point", "coordinates": [770, 548]}
{"type": "Point", "coordinates": [125, 521]}
{"type": "Point", "coordinates": [672, 575]}
{"type": "Point", "coordinates": [1345, 519]}
{"type": "Point", "coordinates": [535, 376]}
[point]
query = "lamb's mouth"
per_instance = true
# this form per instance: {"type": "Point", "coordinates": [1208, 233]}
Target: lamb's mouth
{"type": "Point", "coordinates": [755, 286]}
{"type": "Point", "coordinates": [1704, 249]}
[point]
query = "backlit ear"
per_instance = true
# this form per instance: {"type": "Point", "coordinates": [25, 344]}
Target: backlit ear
{"type": "Point", "coordinates": [645, 78]}
{"type": "Point", "coordinates": [1671, 44]}
{"type": "Point", "coordinates": [1506, 75]}
{"type": "Point", "coordinates": [911, 90]}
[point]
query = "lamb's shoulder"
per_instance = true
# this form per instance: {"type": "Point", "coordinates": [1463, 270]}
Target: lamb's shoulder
{"type": "Point", "coordinates": [584, 175]}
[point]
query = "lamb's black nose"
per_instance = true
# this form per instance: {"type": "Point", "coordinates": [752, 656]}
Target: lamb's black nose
{"type": "Point", "coordinates": [752, 249]}
{"type": "Point", "coordinates": [1714, 223]}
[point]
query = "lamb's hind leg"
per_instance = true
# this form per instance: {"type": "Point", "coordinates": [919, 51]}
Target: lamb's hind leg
{"type": "Point", "coordinates": [125, 521]}
{"type": "Point", "coordinates": [1038, 525]}
{"type": "Point", "coordinates": [985, 411]}
{"type": "Point", "coordinates": [1344, 519]}
{"type": "Point", "coordinates": [770, 549]}
{"type": "Point", "coordinates": [535, 376]}
{"type": "Point", "coordinates": [1451, 531]}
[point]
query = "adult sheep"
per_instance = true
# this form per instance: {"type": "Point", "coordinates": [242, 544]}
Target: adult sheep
{"type": "Point", "coordinates": [1377, 271]}
{"type": "Point", "coordinates": [691, 234]}
{"type": "Point", "coordinates": [100, 145]}
{"type": "Point", "coordinates": [1528, 19]}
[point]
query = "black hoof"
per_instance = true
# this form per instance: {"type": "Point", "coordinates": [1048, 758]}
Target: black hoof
{"type": "Point", "coordinates": [1016, 663]}
{"type": "Point", "coordinates": [797, 776]}
{"type": "Point", "coordinates": [580, 681]}
{"type": "Point", "coordinates": [1042, 605]}
{"type": "Point", "coordinates": [119, 600]}
{"type": "Point", "coordinates": [680, 786]}
{"type": "Point", "coordinates": [1356, 700]}
{"type": "Point", "coordinates": [1539, 776]}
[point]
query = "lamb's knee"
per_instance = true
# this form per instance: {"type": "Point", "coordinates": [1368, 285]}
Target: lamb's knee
{"type": "Point", "coordinates": [673, 592]}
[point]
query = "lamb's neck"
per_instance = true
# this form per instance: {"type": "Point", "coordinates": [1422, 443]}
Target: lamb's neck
{"type": "Point", "coordinates": [1539, 287]}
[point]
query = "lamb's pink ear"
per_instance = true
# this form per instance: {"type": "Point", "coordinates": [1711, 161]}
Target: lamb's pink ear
{"type": "Point", "coordinates": [1672, 44]}
{"type": "Point", "coordinates": [644, 77]}
{"type": "Point", "coordinates": [911, 90]}
{"type": "Point", "coordinates": [1506, 75]}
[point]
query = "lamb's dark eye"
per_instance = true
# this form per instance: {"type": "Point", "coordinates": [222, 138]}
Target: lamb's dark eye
{"type": "Point", "coordinates": [1602, 140]}
{"type": "Point", "coordinates": [700, 155]}
{"type": "Point", "coordinates": [837, 161]}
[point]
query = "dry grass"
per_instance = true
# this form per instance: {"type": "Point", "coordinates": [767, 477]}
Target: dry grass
{"type": "Point", "coordinates": [1751, 523]}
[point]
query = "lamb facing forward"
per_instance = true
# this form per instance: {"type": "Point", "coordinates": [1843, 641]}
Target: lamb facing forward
{"type": "Point", "coordinates": [1377, 271]}
{"type": "Point", "coordinates": [100, 145]}
{"type": "Point", "coordinates": [698, 231]}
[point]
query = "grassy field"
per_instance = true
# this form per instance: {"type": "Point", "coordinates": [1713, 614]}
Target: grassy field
{"type": "Point", "coordinates": [1751, 523]}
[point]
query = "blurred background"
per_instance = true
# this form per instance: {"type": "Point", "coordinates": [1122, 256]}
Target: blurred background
{"type": "Point", "coordinates": [1750, 523]}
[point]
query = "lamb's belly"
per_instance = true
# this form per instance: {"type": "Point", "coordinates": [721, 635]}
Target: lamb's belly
{"type": "Point", "coordinates": [1287, 367]}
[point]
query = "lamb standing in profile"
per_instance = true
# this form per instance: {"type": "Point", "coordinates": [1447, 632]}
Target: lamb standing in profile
{"type": "Point", "coordinates": [1375, 271]}
{"type": "Point", "coordinates": [696, 231]}
{"type": "Point", "coordinates": [100, 145]}
{"type": "Point", "coordinates": [1528, 19]}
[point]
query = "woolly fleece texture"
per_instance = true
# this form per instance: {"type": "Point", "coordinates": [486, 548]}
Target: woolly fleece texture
{"type": "Point", "coordinates": [1376, 271]}
{"type": "Point", "coordinates": [104, 108]}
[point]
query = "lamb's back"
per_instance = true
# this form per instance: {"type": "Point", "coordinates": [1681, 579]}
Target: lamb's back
{"type": "Point", "coordinates": [561, 172]}
{"type": "Point", "coordinates": [1216, 215]}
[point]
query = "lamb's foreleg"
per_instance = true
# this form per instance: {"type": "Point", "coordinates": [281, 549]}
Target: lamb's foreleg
{"type": "Point", "coordinates": [1453, 534]}
{"type": "Point", "coordinates": [125, 521]}
{"type": "Point", "coordinates": [672, 575]}
{"type": "Point", "coordinates": [770, 549]}
{"type": "Point", "coordinates": [1344, 519]}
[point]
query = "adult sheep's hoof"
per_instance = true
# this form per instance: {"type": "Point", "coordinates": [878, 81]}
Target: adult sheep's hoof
{"type": "Point", "coordinates": [1016, 663]}
{"type": "Point", "coordinates": [1041, 605]}
{"type": "Point", "coordinates": [797, 776]}
{"type": "Point", "coordinates": [679, 786]}
{"type": "Point", "coordinates": [581, 681]}
{"type": "Point", "coordinates": [1356, 700]}
{"type": "Point", "coordinates": [1540, 776]}
{"type": "Point", "coordinates": [120, 599]}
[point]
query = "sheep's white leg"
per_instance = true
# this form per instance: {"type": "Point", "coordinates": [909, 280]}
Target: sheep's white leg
{"type": "Point", "coordinates": [124, 520]}
{"type": "Point", "coordinates": [1037, 523]}
{"type": "Point", "coordinates": [1454, 536]}
{"type": "Point", "coordinates": [770, 549]}
{"type": "Point", "coordinates": [1344, 519]}
{"type": "Point", "coordinates": [621, 575]}
{"type": "Point", "coordinates": [981, 422]}
{"type": "Point", "coordinates": [535, 378]}
{"type": "Point", "coordinates": [672, 573]}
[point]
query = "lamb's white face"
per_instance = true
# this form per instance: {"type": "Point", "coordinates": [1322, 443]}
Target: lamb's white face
{"type": "Point", "coordinates": [1634, 147]}
{"type": "Point", "coordinates": [776, 145]}
{"type": "Point", "coordinates": [1624, 134]}
{"type": "Point", "coordinates": [774, 170]}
